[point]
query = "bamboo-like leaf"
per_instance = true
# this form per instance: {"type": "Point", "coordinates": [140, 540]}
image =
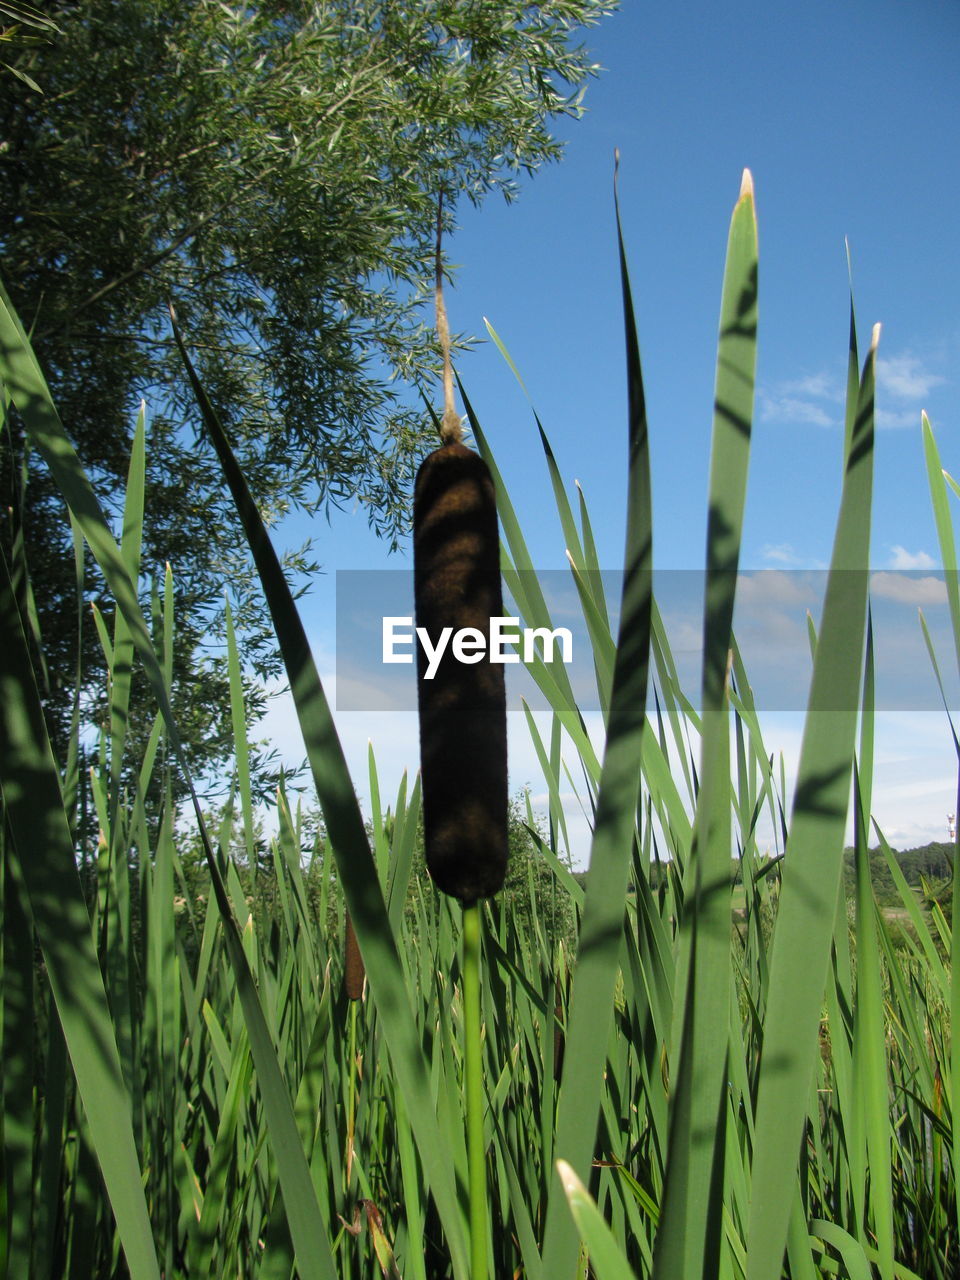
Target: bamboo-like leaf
{"type": "Point", "coordinates": [851, 1251]}
{"type": "Point", "coordinates": [591, 1002]}
{"type": "Point", "coordinates": [606, 1260]}
{"type": "Point", "coordinates": [19, 1002]}
{"type": "Point", "coordinates": [869, 1050]}
{"type": "Point", "coordinates": [240, 745]}
{"type": "Point", "coordinates": [690, 1229]}
{"type": "Point", "coordinates": [402, 855]}
{"type": "Point", "coordinates": [521, 578]}
{"type": "Point", "coordinates": [948, 554]}
{"type": "Point", "coordinates": [40, 841]}
{"type": "Point", "coordinates": [928, 640]}
{"type": "Point", "coordinates": [223, 1155]}
{"type": "Point", "coordinates": [944, 524]}
{"type": "Point", "coordinates": [813, 862]}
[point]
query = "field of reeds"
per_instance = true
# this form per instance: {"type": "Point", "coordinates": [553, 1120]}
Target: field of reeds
{"type": "Point", "coordinates": [200, 1079]}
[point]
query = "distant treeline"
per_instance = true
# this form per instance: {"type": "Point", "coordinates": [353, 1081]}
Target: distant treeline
{"type": "Point", "coordinates": [930, 862]}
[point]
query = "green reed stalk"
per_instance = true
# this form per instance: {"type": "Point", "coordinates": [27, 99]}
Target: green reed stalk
{"type": "Point", "coordinates": [352, 1091]}
{"type": "Point", "coordinates": [473, 1092]}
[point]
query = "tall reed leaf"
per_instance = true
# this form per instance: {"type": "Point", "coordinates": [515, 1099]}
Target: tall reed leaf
{"type": "Point", "coordinates": [606, 1260]}
{"type": "Point", "coordinates": [870, 1058]}
{"type": "Point", "coordinates": [595, 976]}
{"type": "Point", "coordinates": [688, 1240]}
{"type": "Point", "coordinates": [948, 554]}
{"type": "Point", "coordinates": [40, 841]}
{"type": "Point", "coordinates": [814, 856]}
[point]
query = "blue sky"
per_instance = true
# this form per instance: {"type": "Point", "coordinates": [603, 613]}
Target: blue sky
{"type": "Point", "coordinates": [847, 115]}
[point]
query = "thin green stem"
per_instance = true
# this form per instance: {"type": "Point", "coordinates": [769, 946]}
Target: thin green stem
{"type": "Point", "coordinates": [352, 1090]}
{"type": "Point", "coordinates": [473, 1087]}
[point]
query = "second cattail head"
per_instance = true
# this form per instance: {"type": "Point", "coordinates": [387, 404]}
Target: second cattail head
{"type": "Point", "coordinates": [353, 970]}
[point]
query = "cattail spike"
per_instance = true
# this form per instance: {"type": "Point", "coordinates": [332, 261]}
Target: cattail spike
{"type": "Point", "coordinates": [353, 970]}
{"type": "Point", "coordinates": [559, 1027]}
{"type": "Point", "coordinates": [463, 722]}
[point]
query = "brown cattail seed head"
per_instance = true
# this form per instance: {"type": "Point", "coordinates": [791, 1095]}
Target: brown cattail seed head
{"type": "Point", "coordinates": [353, 970]}
{"type": "Point", "coordinates": [463, 710]}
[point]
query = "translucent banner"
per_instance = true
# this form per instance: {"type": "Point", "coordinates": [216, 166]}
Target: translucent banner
{"type": "Point", "coordinates": [567, 652]}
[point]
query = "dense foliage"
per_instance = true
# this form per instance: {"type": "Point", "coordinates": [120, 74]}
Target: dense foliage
{"type": "Point", "coordinates": [273, 170]}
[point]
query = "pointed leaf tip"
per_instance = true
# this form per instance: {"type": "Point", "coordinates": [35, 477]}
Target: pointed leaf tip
{"type": "Point", "coordinates": [875, 337]}
{"type": "Point", "coordinates": [746, 184]}
{"type": "Point", "coordinates": [571, 1183]}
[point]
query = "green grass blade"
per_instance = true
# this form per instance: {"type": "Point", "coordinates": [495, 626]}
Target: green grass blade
{"type": "Point", "coordinates": [39, 838]}
{"type": "Point", "coordinates": [19, 1059]}
{"type": "Point", "coordinates": [948, 553]}
{"type": "Point", "coordinates": [928, 640]}
{"type": "Point", "coordinates": [813, 862]}
{"type": "Point", "coordinates": [606, 1259]}
{"type": "Point", "coordinates": [869, 1050]}
{"type": "Point", "coordinates": [591, 1002]}
{"type": "Point", "coordinates": [240, 746]}
{"type": "Point", "coordinates": [944, 524]}
{"type": "Point", "coordinates": [121, 669]}
{"type": "Point", "coordinates": [853, 371]}
{"type": "Point", "coordinates": [850, 1250]}
{"type": "Point", "coordinates": [688, 1240]}
{"type": "Point", "coordinates": [404, 847]}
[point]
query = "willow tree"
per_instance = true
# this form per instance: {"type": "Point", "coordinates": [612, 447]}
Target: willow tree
{"type": "Point", "coordinates": [273, 170]}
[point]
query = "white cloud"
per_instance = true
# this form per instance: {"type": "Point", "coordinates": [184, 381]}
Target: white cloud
{"type": "Point", "coordinates": [904, 381]}
{"type": "Point", "coordinates": [780, 553]}
{"type": "Point", "coordinates": [811, 399]}
{"type": "Point", "coordinates": [906, 590]}
{"type": "Point", "coordinates": [819, 386]}
{"type": "Point", "coordinates": [901, 558]}
{"type": "Point", "coordinates": [685, 635]}
{"type": "Point", "coordinates": [896, 419]}
{"type": "Point", "coordinates": [775, 587]}
{"type": "Point", "coordinates": [794, 409]}
{"type": "Point", "coordinates": [905, 377]}
{"type": "Point", "coordinates": [785, 554]}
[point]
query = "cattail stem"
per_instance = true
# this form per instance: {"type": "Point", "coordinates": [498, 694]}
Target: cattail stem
{"type": "Point", "coordinates": [353, 1088]}
{"type": "Point", "coordinates": [451, 427]}
{"type": "Point", "coordinates": [473, 1089]}
{"type": "Point", "coordinates": [353, 985]}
